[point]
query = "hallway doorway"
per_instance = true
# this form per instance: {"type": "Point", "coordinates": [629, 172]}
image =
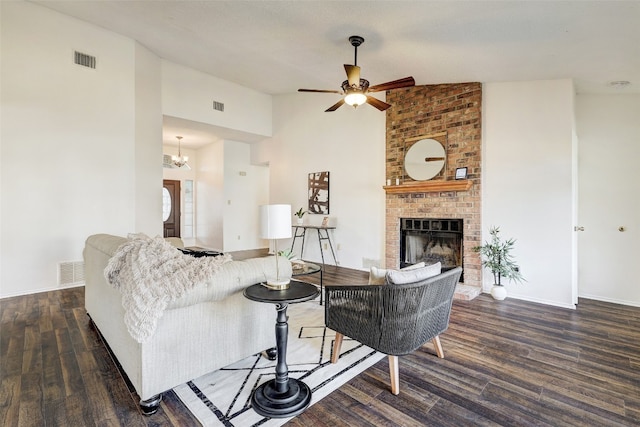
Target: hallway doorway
{"type": "Point", "coordinates": [171, 208]}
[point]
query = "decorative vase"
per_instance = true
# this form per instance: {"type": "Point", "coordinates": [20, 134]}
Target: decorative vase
{"type": "Point", "coordinates": [299, 221]}
{"type": "Point", "coordinates": [498, 292]}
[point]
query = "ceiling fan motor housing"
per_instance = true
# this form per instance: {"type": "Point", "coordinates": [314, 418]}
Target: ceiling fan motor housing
{"type": "Point", "coordinates": [364, 85]}
{"type": "Point", "coordinates": [356, 40]}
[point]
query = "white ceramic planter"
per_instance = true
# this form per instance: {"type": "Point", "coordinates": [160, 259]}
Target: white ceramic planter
{"type": "Point", "coordinates": [498, 292]}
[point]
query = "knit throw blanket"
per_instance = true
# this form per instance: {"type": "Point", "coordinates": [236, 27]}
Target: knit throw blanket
{"type": "Point", "coordinates": [150, 273]}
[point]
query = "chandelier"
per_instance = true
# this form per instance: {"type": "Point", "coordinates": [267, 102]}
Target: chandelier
{"type": "Point", "coordinates": [179, 160]}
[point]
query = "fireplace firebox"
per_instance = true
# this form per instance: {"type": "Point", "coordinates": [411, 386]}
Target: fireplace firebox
{"type": "Point", "coordinates": [431, 240]}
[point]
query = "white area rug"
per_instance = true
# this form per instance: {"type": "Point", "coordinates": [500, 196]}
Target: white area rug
{"type": "Point", "coordinates": [222, 398]}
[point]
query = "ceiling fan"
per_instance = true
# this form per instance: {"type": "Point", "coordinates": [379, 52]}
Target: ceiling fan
{"type": "Point", "coordinates": [355, 89]}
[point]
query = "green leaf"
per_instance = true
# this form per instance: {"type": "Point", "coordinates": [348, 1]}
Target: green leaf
{"type": "Point", "coordinates": [496, 256]}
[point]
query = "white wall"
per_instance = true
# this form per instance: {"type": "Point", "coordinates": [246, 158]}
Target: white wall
{"type": "Point", "coordinates": [609, 129]}
{"type": "Point", "coordinates": [189, 94]}
{"type": "Point", "coordinates": [246, 187]}
{"type": "Point", "coordinates": [348, 143]}
{"type": "Point", "coordinates": [527, 184]}
{"type": "Point", "coordinates": [210, 196]}
{"type": "Point", "coordinates": [148, 150]}
{"type": "Point", "coordinates": [229, 190]}
{"type": "Point", "coordinates": [69, 143]}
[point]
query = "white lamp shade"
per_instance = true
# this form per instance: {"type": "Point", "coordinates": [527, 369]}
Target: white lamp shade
{"type": "Point", "coordinates": [275, 221]}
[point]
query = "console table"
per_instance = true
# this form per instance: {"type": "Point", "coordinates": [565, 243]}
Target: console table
{"type": "Point", "coordinates": [281, 397]}
{"type": "Point", "coordinates": [319, 229]}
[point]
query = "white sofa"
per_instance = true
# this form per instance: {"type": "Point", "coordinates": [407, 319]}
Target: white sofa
{"type": "Point", "coordinates": [196, 333]}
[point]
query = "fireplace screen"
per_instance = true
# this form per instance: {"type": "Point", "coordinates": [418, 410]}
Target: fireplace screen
{"type": "Point", "coordinates": [431, 241]}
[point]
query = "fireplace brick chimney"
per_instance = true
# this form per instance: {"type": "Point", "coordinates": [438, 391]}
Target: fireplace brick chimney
{"type": "Point", "coordinates": [452, 112]}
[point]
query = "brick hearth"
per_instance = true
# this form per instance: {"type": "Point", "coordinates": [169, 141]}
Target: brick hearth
{"type": "Point", "coordinates": [451, 114]}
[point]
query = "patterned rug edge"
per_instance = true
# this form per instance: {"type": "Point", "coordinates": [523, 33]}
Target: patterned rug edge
{"type": "Point", "coordinates": [352, 362]}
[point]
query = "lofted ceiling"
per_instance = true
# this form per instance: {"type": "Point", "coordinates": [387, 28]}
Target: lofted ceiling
{"type": "Point", "coordinates": [277, 47]}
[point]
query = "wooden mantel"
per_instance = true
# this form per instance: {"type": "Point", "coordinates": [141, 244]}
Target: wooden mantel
{"type": "Point", "coordinates": [429, 186]}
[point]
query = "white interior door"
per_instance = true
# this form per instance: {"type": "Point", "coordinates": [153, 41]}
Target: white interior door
{"type": "Point", "coordinates": [609, 198]}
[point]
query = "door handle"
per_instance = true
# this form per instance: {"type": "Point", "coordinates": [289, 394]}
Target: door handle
{"type": "Point", "coordinates": [578, 228]}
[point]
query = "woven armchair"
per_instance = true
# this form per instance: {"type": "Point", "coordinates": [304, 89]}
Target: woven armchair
{"type": "Point", "coordinates": [392, 319]}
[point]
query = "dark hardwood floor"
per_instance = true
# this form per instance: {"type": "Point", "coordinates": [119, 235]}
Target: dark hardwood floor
{"type": "Point", "coordinates": [506, 363]}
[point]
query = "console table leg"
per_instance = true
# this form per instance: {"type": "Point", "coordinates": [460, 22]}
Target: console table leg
{"type": "Point", "coordinates": [304, 235]}
{"type": "Point", "coordinates": [331, 247]}
{"type": "Point", "coordinates": [295, 236]}
{"type": "Point", "coordinates": [320, 239]}
{"type": "Point", "coordinates": [321, 285]}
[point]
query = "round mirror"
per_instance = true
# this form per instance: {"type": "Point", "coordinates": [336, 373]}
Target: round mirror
{"type": "Point", "coordinates": [166, 204]}
{"type": "Point", "coordinates": [425, 159]}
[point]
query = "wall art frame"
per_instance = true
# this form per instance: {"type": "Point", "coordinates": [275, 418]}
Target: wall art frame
{"type": "Point", "coordinates": [319, 193]}
{"type": "Point", "coordinates": [461, 173]}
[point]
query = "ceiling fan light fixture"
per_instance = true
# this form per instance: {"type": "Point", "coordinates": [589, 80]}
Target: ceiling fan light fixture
{"type": "Point", "coordinates": [355, 98]}
{"type": "Point", "coordinates": [180, 161]}
{"type": "Point", "coordinates": [355, 88]}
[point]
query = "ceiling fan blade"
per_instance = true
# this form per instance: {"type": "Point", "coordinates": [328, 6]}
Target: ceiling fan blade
{"type": "Point", "coordinates": [335, 106]}
{"type": "Point", "coordinates": [405, 82]}
{"type": "Point", "coordinates": [320, 91]}
{"type": "Point", "coordinates": [380, 105]}
{"type": "Point", "coordinates": [353, 75]}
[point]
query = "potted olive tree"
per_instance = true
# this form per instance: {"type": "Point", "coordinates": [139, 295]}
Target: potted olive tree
{"type": "Point", "coordinates": [496, 256]}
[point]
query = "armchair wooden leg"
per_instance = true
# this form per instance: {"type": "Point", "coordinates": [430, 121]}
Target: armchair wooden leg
{"type": "Point", "coordinates": [394, 373]}
{"type": "Point", "coordinates": [438, 346]}
{"type": "Point", "coordinates": [337, 343]}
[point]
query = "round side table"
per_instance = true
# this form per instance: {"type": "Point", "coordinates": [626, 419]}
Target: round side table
{"type": "Point", "coordinates": [282, 396]}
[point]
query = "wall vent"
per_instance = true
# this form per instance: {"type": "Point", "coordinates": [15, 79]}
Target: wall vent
{"type": "Point", "coordinates": [167, 162]}
{"type": "Point", "coordinates": [218, 106]}
{"type": "Point", "coordinates": [85, 60]}
{"type": "Point", "coordinates": [70, 273]}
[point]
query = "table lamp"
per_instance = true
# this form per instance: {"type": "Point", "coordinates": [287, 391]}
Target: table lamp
{"type": "Point", "coordinates": [275, 223]}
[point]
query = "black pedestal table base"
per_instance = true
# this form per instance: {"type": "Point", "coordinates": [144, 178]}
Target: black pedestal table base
{"type": "Point", "coordinates": [267, 402]}
{"type": "Point", "coordinates": [281, 397]}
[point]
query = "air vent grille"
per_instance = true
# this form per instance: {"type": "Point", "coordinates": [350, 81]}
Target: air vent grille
{"type": "Point", "coordinates": [85, 60]}
{"type": "Point", "coordinates": [218, 106]}
{"type": "Point", "coordinates": [70, 273]}
{"type": "Point", "coordinates": [167, 161]}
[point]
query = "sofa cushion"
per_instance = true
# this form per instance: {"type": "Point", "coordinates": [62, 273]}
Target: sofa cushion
{"type": "Point", "coordinates": [377, 276]}
{"type": "Point", "coordinates": [402, 277]}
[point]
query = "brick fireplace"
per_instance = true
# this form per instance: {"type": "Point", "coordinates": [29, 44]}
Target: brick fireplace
{"type": "Point", "coordinates": [450, 114]}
